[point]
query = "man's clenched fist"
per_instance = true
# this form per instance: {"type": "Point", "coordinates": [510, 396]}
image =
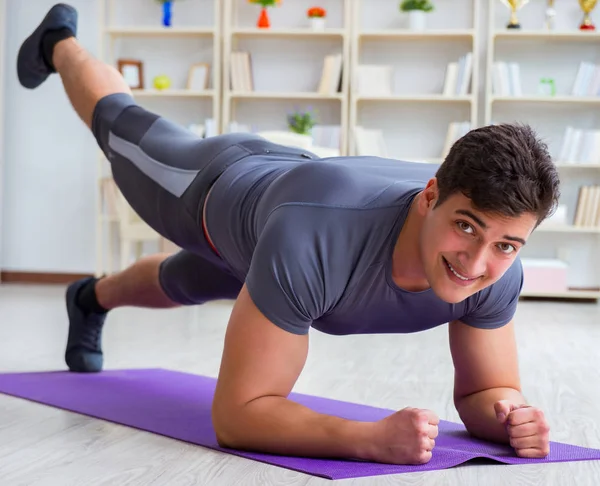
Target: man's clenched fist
{"type": "Point", "coordinates": [406, 437]}
{"type": "Point", "coordinates": [527, 428]}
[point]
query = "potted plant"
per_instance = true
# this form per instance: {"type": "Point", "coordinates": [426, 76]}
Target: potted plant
{"type": "Point", "coordinates": [416, 12]}
{"type": "Point", "coordinates": [301, 122]}
{"type": "Point", "coordinates": [263, 20]}
{"type": "Point", "coordinates": [316, 16]}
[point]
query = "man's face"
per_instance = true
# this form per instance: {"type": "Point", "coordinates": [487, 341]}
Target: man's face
{"type": "Point", "coordinates": [464, 250]}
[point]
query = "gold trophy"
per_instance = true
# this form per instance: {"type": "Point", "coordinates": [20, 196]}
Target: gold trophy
{"type": "Point", "coordinates": [514, 6]}
{"type": "Point", "coordinates": [587, 6]}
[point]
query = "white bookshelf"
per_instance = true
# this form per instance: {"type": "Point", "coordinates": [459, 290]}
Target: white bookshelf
{"type": "Point", "coordinates": [286, 62]}
{"type": "Point", "coordinates": [134, 30]}
{"type": "Point", "coordinates": [556, 54]}
{"type": "Point", "coordinates": [414, 117]}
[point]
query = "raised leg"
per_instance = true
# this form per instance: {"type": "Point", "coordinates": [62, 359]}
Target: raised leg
{"type": "Point", "coordinates": [153, 162]}
{"type": "Point", "coordinates": [86, 80]}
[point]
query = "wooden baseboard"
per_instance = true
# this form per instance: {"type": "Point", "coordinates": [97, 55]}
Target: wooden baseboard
{"type": "Point", "coordinates": [41, 278]}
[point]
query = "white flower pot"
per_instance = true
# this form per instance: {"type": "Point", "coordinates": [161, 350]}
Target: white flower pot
{"type": "Point", "coordinates": [317, 23]}
{"type": "Point", "coordinates": [417, 19]}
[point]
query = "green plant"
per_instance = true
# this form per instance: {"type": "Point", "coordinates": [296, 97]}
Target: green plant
{"type": "Point", "coordinates": [266, 3]}
{"type": "Point", "coordinates": [301, 122]}
{"type": "Point", "coordinates": [408, 5]}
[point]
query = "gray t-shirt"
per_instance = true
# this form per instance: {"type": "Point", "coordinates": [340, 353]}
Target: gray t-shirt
{"type": "Point", "coordinates": [313, 241]}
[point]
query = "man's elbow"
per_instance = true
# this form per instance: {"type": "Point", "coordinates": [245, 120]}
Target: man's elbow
{"type": "Point", "coordinates": [226, 423]}
{"type": "Point", "coordinates": [223, 431]}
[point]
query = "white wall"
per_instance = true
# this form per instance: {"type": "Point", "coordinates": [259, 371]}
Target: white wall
{"type": "Point", "coordinates": [50, 160]}
{"type": "Point", "coordinates": [2, 76]}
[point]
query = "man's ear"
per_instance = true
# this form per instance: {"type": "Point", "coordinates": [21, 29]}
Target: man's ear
{"type": "Point", "coordinates": [429, 196]}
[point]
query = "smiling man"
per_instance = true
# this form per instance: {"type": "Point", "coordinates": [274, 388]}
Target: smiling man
{"type": "Point", "coordinates": [347, 245]}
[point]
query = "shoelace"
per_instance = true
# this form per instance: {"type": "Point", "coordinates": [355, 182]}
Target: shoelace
{"type": "Point", "coordinates": [91, 335]}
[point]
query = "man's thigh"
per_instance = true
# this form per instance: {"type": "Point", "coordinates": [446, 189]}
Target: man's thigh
{"type": "Point", "coordinates": [163, 170]}
{"type": "Point", "coordinates": [189, 278]}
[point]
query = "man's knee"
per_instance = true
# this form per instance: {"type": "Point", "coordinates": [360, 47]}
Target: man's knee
{"type": "Point", "coordinates": [106, 111]}
{"type": "Point", "coordinates": [190, 279]}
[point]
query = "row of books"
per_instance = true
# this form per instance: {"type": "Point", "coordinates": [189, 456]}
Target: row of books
{"type": "Point", "coordinates": [374, 79]}
{"type": "Point", "coordinates": [580, 146]}
{"type": "Point", "coordinates": [241, 71]}
{"type": "Point", "coordinates": [458, 76]}
{"type": "Point", "coordinates": [587, 213]}
{"type": "Point", "coordinates": [241, 77]}
{"type": "Point", "coordinates": [331, 76]}
{"type": "Point", "coordinates": [506, 79]}
{"type": "Point", "coordinates": [587, 80]}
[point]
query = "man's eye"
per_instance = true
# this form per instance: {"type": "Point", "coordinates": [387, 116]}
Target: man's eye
{"type": "Point", "coordinates": [506, 248]}
{"type": "Point", "coordinates": [466, 227]}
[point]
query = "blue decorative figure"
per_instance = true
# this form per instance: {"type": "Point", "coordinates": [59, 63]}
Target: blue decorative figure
{"type": "Point", "coordinates": [167, 13]}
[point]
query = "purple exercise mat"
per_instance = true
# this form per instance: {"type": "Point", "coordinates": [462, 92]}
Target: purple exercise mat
{"type": "Point", "coordinates": [177, 405]}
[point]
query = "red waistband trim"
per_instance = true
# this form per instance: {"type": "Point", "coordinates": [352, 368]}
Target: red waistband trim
{"type": "Point", "coordinates": [208, 239]}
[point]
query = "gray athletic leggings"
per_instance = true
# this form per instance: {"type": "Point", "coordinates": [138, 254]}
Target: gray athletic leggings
{"type": "Point", "coordinates": [165, 172]}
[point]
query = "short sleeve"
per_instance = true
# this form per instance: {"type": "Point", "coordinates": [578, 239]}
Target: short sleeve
{"type": "Point", "coordinates": [286, 279]}
{"type": "Point", "coordinates": [496, 305]}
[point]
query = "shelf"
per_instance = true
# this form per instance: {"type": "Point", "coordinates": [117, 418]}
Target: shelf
{"type": "Point", "coordinates": [180, 93]}
{"type": "Point", "coordinates": [545, 35]}
{"type": "Point", "coordinates": [285, 95]}
{"type": "Point", "coordinates": [411, 34]}
{"type": "Point", "coordinates": [569, 294]}
{"type": "Point", "coordinates": [546, 99]}
{"type": "Point", "coordinates": [254, 32]}
{"type": "Point", "coordinates": [160, 31]}
{"type": "Point", "coordinates": [577, 165]}
{"type": "Point", "coordinates": [417, 97]}
{"type": "Point", "coordinates": [567, 229]}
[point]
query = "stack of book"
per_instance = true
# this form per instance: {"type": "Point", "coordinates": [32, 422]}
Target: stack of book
{"type": "Point", "coordinates": [331, 76]}
{"type": "Point", "coordinates": [241, 72]}
{"type": "Point", "coordinates": [587, 80]}
{"type": "Point", "coordinates": [506, 79]}
{"type": "Point", "coordinates": [458, 76]}
{"type": "Point", "coordinates": [580, 146]}
{"type": "Point", "coordinates": [587, 213]}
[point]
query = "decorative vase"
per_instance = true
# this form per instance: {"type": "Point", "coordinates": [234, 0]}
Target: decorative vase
{"type": "Point", "coordinates": [317, 23]}
{"type": "Point", "coordinates": [416, 19]}
{"type": "Point", "coordinates": [167, 13]}
{"type": "Point", "coordinates": [263, 21]}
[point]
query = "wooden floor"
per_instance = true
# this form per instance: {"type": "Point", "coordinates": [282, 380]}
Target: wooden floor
{"type": "Point", "coordinates": [40, 445]}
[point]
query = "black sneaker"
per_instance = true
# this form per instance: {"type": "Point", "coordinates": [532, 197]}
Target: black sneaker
{"type": "Point", "coordinates": [84, 350]}
{"type": "Point", "coordinates": [32, 69]}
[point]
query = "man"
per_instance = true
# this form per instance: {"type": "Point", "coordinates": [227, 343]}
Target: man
{"type": "Point", "coordinates": [346, 245]}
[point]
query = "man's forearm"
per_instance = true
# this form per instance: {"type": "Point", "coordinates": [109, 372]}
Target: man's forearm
{"type": "Point", "coordinates": [280, 426]}
{"type": "Point", "coordinates": [478, 414]}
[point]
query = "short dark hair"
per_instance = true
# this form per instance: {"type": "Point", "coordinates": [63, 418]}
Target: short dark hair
{"type": "Point", "coordinates": [504, 169]}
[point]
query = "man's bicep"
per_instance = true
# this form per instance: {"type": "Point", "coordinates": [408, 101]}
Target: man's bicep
{"type": "Point", "coordinates": [259, 358]}
{"type": "Point", "coordinates": [483, 358]}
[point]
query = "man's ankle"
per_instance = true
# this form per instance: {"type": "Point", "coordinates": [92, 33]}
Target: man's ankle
{"type": "Point", "coordinates": [87, 299]}
{"type": "Point", "coordinates": [50, 41]}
